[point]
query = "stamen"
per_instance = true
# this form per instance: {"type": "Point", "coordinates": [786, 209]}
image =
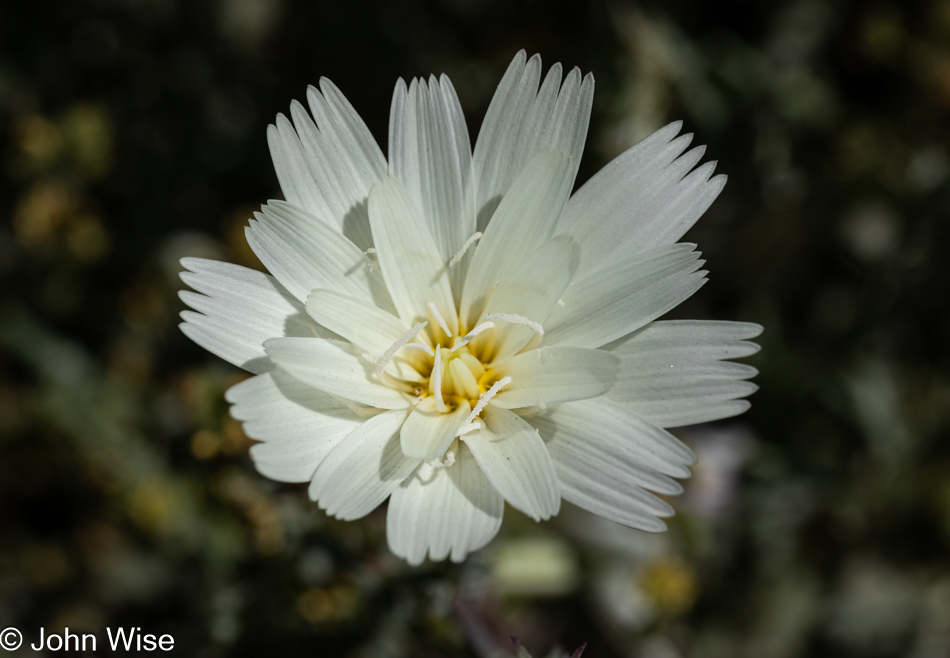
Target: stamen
{"type": "Point", "coordinates": [438, 318]}
{"type": "Point", "coordinates": [465, 428]}
{"type": "Point", "coordinates": [467, 338]}
{"type": "Point", "coordinates": [461, 252]}
{"type": "Point", "coordinates": [514, 318]}
{"type": "Point", "coordinates": [483, 401]}
{"type": "Point", "coordinates": [437, 381]}
{"type": "Point", "coordinates": [384, 360]}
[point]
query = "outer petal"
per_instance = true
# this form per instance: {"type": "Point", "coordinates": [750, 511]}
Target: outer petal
{"type": "Point", "coordinates": [671, 373]}
{"type": "Point", "coordinates": [443, 511]}
{"type": "Point", "coordinates": [410, 260]}
{"type": "Point", "coordinates": [516, 462]}
{"type": "Point", "coordinates": [238, 310]}
{"type": "Point", "coordinates": [332, 367]}
{"type": "Point", "coordinates": [298, 424]}
{"type": "Point", "coordinates": [622, 298]}
{"type": "Point", "coordinates": [522, 120]}
{"type": "Point", "coordinates": [430, 153]}
{"type": "Point", "coordinates": [329, 167]}
{"type": "Point", "coordinates": [363, 469]}
{"type": "Point", "coordinates": [524, 220]}
{"type": "Point", "coordinates": [651, 447]}
{"type": "Point", "coordinates": [427, 434]}
{"type": "Point", "coordinates": [605, 457]}
{"type": "Point", "coordinates": [303, 253]}
{"type": "Point", "coordinates": [292, 168]}
{"type": "Point", "coordinates": [549, 375]}
{"type": "Point", "coordinates": [643, 199]}
{"type": "Point", "coordinates": [352, 154]}
{"type": "Point", "coordinates": [349, 142]}
{"type": "Point", "coordinates": [531, 290]}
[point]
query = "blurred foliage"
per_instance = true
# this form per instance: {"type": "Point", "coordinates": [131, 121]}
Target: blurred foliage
{"type": "Point", "coordinates": [818, 524]}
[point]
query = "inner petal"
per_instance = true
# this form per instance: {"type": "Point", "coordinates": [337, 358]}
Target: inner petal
{"type": "Point", "coordinates": [428, 433]}
{"type": "Point", "coordinates": [411, 263]}
{"type": "Point", "coordinates": [525, 297]}
{"type": "Point", "coordinates": [463, 378]}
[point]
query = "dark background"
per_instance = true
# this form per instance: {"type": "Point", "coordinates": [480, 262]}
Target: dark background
{"type": "Point", "coordinates": [817, 524]}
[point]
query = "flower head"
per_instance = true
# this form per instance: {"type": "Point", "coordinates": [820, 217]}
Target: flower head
{"type": "Point", "coordinates": [451, 329]}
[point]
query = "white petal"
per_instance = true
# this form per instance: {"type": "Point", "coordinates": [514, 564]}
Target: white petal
{"type": "Point", "coordinates": [363, 469]}
{"type": "Point", "coordinates": [531, 290]}
{"type": "Point", "coordinates": [536, 121]}
{"type": "Point", "coordinates": [328, 204]}
{"type": "Point", "coordinates": [549, 375]}
{"type": "Point", "coordinates": [332, 367]}
{"type": "Point", "coordinates": [344, 177]}
{"type": "Point", "coordinates": [522, 120]}
{"type": "Point", "coordinates": [428, 433]}
{"type": "Point", "coordinates": [524, 220]}
{"type": "Point", "coordinates": [241, 309]}
{"type": "Point", "coordinates": [605, 459]}
{"type": "Point", "coordinates": [612, 302]}
{"type": "Point", "coordinates": [328, 170]}
{"type": "Point", "coordinates": [353, 156]}
{"type": "Point", "coordinates": [605, 421]}
{"type": "Point", "coordinates": [430, 153]}
{"type": "Point", "coordinates": [371, 328]}
{"type": "Point", "coordinates": [567, 130]}
{"type": "Point", "coordinates": [412, 266]}
{"type": "Point", "coordinates": [673, 412]}
{"type": "Point", "coordinates": [298, 424]}
{"type": "Point", "coordinates": [443, 512]}
{"type": "Point", "coordinates": [494, 160]}
{"type": "Point", "coordinates": [558, 119]}
{"type": "Point", "coordinates": [516, 462]}
{"type": "Point", "coordinates": [671, 372]}
{"type": "Point", "coordinates": [290, 164]}
{"type": "Point", "coordinates": [303, 253]}
{"type": "Point", "coordinates": [640, 200]}
{"type": "Point", "coordinates": [349, 140]}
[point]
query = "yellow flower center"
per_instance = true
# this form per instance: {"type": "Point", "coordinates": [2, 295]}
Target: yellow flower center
{"type": "Point", "coordinates": [452, 368]}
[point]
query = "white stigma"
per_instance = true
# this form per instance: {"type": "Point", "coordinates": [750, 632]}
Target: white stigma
{"type": "Point", "coordinates": [465, 247]}
{"type": "Point", "coordinates": [437, 380]}
{"type": "Point", "coordinates": [446, 461]}
{"type": "Point", "coordinates": [438, 318]}
{"type": "Point", "coordinates": [420, 347]}
{"type": "Point", "coordinates": [465, 428]}
{"type": "Point", "coordinates": [384, 360]}
{"type": "Point", "coordinates": [474, 332]}
{"type": "Point", "coordinates": [514, 318]}
{"type": "Point", "coordinates": [483, 401]}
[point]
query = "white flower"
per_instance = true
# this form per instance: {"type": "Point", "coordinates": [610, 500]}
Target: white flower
{"type": "Point", "coordinates": [452, 329]}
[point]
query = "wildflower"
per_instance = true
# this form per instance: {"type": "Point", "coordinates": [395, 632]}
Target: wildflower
{"type": "Point", "coordinates": [451, 329]}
